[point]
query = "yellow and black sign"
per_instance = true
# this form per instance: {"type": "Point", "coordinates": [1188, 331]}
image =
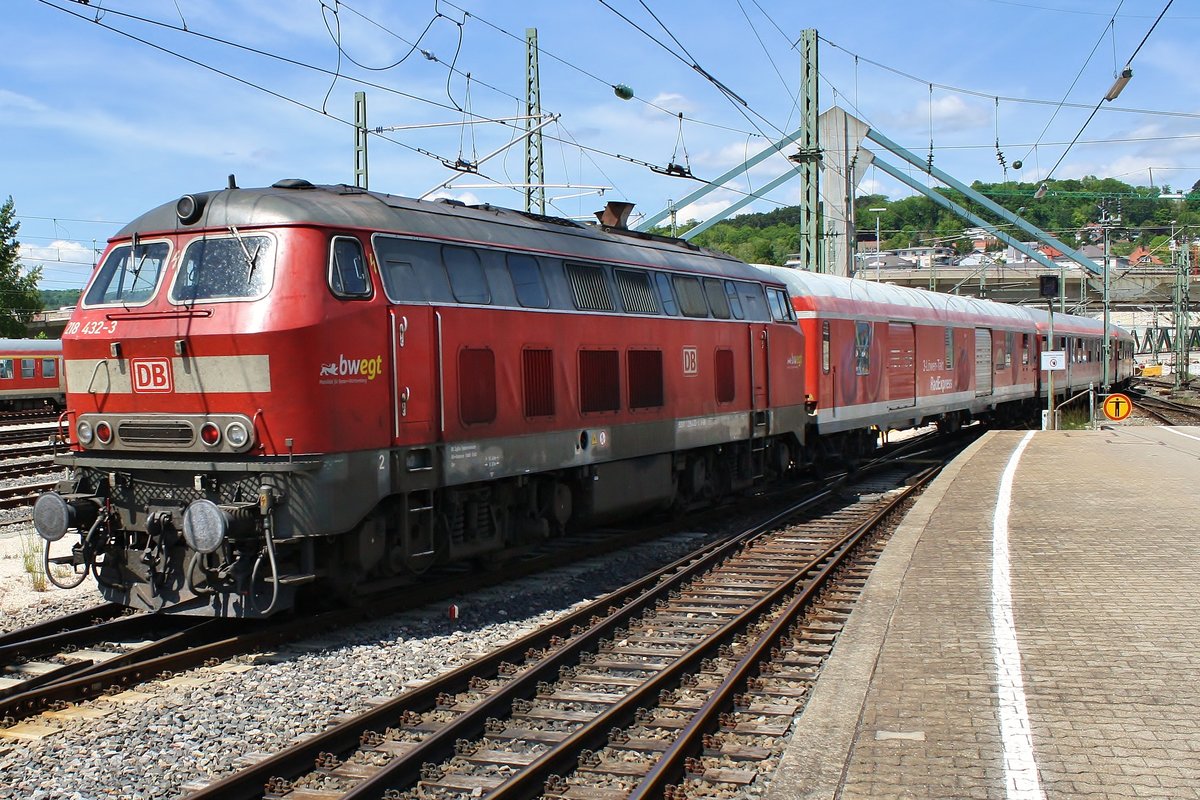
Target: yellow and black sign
{"type": "Point", "coordinates": [1117, 407]}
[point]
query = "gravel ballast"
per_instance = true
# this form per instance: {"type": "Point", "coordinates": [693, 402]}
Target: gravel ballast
{"type": "Point", "coordinates": [197, 727]}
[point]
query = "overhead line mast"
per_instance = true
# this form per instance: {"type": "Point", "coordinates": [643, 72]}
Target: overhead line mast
{"type": "Point", "coordinates": [535, 191]}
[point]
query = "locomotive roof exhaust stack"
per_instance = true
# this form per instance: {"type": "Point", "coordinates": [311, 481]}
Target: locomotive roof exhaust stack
{"type": "Point", "coordinates": [615, 214]}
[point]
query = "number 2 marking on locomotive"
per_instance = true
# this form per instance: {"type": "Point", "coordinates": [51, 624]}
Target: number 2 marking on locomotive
{"type": "Point", "coordinates": [382, 462]}
{"type": "Point", "coordinates": [691, 361]}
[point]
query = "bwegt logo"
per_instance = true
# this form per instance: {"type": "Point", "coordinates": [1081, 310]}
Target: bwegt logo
{"type": "Point", "coordinates": [369, 368]}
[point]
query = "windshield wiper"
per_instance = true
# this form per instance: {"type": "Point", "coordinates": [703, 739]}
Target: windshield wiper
{"type": "Point", "coordinates": [251, 260]}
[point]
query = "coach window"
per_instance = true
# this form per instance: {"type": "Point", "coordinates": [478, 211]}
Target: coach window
{"type": "Point", "coordinates": [637, 295]}
{"type": "Point", "coordinates": [665, 295]}
{"type": "Point", "coordinates": [717, 301]}
{"type": "Point", "coordinates": [28, 368]}
{"type": "Point", "coordinates": [129, 275]}
{"type": "Point", "coordinates": [691, 296]}
{"type": "Point", "coordinates": [526, 274]}
{"type": "Point", "coordinates": [735, 302]}
{"type": "Point", "coordinates": [589, 287]}
{"type": "Point", "coordinates": [1024, 349]}
{"type": "Point", "coordinates": [949, 336]}
{"type": "Point", "coordinates": [237, 267]}
{"type": "Point", "coordinates": [825, 346]}
{"type": "Point", "coordinates": [466, 275]}
{"type": "Point", "coordinates": [6, 367]}
{"type": "Point", "coordinates": [49, 368]}
{"type": "Point", "coordinates": [347, 268]}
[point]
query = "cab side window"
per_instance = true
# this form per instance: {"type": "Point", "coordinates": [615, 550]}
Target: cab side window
{"type": "Point", "coordinates": [348, 268]}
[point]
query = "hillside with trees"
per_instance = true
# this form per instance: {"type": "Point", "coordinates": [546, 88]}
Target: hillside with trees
{"type": "Point", "coordinates": [1066, 211]}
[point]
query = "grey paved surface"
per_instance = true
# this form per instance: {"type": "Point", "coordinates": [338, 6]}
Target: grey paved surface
{"type": "Point", "coordinates": [1105, 578]}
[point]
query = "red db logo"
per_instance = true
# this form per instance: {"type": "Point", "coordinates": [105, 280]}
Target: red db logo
{"type": "Point", "coordinates": [151, 375]}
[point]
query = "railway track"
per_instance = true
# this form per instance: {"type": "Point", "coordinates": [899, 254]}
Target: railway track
{"type": "Point", "coordinates": [688, 675]}
{"type": "Point", "coordinates": [27, 434]}
{"type": "Point", "coordinates": [28, 415]}
{"type": "Point", "coordinates": [25, 494]}
{"type": "Point", "coordinates": [217, 643]}
{"type": "Point", "coordinates": [27, 450]}
{"type": "Point", "coordinates": [90, 642]}
{"type": "Point", "coordinates": [1166, 411]}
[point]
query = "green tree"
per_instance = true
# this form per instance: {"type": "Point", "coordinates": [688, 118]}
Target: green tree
{"type": "Point", "coordinates": [19, 297]}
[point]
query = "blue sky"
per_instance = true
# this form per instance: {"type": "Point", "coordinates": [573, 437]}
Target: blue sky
{"type": "Point", "coordinates": [97, 127]}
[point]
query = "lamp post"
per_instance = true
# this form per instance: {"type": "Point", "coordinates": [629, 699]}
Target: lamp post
{"type": "Point", "coordinates": [877, 212]}
{"type": "Point", "coordinates": [1106, 222]}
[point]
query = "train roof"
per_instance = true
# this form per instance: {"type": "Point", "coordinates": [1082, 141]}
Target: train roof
{"type": "Point", "coordinates": [835, 294]}
{"type": "Point", "coordinates": [1072, 324]}
{"type": "Point", "coordinates": [298, 202]}
{"type": "Point", "coordinates": [30, 346]}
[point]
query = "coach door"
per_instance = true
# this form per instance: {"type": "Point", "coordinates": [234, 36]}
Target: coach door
{"type": "Point", "coordinates": [901, 365]}
{"type": "Point", "coordinates": [416, 372]}
{"type": "Point", "coordinates": [983, 362]}
{"type": "Point", "coordinates": [760, 377]}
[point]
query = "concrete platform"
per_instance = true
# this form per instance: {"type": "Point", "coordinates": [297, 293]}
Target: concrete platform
{"type": "Point", "coordinates": [1054, 656]}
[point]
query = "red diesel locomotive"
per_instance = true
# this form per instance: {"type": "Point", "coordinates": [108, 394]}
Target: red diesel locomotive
{"type": "Point", "coordinates": [272, 387]}
{"type": "Point", "coordinates": [269, 388]}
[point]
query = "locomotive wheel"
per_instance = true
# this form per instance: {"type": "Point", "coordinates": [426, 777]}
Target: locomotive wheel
{"type": "Point", "coordinates": [558, 505]}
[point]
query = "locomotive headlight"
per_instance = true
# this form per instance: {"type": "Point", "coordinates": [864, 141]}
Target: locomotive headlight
{"type": "Point", "coordinates": [236, 434]}
{"type": "Point", "coordinates": [52, 516]}
{"type": "Point", "coordinates": [103, 432]}
{"type": "Point", "coordinates": [84, 431]}
{"type": "Point", "coordinates": [205, 526]}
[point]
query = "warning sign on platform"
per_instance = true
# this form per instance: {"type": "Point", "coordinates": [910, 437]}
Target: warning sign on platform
{"type": "Point", "coordinates": [1117, 407]}
{"type": "Point", "coordinates": [1054, 360]}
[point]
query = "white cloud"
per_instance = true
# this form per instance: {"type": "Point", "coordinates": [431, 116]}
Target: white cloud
{"type": "Point", "coordinates": [950, 113]}
{"type": "Point", "coordinates": [60, 251]}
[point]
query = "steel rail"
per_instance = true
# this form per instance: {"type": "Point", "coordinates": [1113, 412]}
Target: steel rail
{"type": "Point", "coordinates": [80, 682]}
{"type": "Point", "coordinates": [530, 782]}
{"type": "Point", "coordinates": [670, 768]}
{"type": "Point", "coordinates": [79, 619]}
{"type": "Point", "coordinates": [631, 599]}
{"type": "Point", "coordinates": [112, 630]}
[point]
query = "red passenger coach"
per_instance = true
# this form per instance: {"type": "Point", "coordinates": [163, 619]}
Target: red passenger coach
{"type": "Point", "coordinates": [1081, 340]}
{"type": "Point", "coordinates": [891, 357]}
{"type": "Point", "coordinates": [31, 373]}
{"type": "Point", "coordinates": [299, 384]}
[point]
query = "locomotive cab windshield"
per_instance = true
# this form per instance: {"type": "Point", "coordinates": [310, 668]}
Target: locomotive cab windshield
{"type": "Point", "coordinates": [237, 267]}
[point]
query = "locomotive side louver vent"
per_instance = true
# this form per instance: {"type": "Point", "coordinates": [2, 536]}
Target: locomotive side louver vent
{"type": "Point", "coordinates": [723, 372]}
{"type": "Point", "coordinates": [477, 386]}
{"type": "Point", "coordinates": [161, 432]}
{"type": "Point", "coordinates": [645, 378]}
{"type": "Point", "coordinates": [538, 369]}
{"type": "Point", "coordinates": [636, 293]}
{"type": "Point", "coordinates": [589, 289]}
{"type": "Point", "coordinates": [599, 380]}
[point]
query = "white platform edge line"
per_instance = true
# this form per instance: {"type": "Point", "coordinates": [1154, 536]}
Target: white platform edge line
{"type": "Point", "coordinates": [1020, 765]}
{"type": "Point", "coordinates": [1181, 433]}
